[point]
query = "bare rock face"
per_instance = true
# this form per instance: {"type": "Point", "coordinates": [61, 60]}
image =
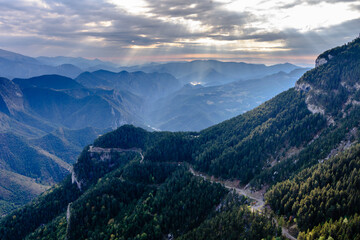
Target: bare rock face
{"type": "Point", "coordinates": [75, 180]}
{"type": "Point", "coordinates": [314, 108]}
{"type": "Point", "coordinates": [323, 60]}
{"type": "Point", "coordinates": [331, 90]}
{"type": "Point", "coordinates": [320, 61]}
{"type": "Point", "coordinates": [305, 87]}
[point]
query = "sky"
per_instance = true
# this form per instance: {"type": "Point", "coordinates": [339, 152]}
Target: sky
{"type": "Point", "coordinates": [131, 32]}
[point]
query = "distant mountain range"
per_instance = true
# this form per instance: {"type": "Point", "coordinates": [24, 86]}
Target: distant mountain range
{"type": "Point", "coordinates": [212, 72]}
{"type": "Point", "coordinates": [50, 108]}
{"type": "Point", "coordinates": [82, 63]}
{"type": "Point", "coordinates": [205, 72]}
{"type": "Point", "coordinates": [14, 65]}
{"type": "Point", "coordinates": [146, 85]}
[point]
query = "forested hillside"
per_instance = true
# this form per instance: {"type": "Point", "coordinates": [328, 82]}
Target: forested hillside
{"type": "Point", "coordinates": [326, 191]}
{"type": "Point", "coordinates": [137, 201]}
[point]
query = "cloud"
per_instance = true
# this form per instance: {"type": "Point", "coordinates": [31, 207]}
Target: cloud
{"type": "Point", "coordinates": [356, 7]}
{"type": "Point", "coordinates": [69, 19]}
{"type": "Point", "coordinates": [295, 3]}
{"type": "Point", "coordinates": [164, 28]}
{"type": "Point", "coordinates": [312, 43]}
{"type": "Point", "coordinates": [328, 1]}
{"type": "Point", "coordinates": [206, 12]}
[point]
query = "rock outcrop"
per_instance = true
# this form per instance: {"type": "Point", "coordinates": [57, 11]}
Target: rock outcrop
{"type": "Point", "coordinates": [322, 60]}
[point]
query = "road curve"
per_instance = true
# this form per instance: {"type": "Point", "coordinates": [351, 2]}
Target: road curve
{"type": "Point", "coordinates": [259, 202]}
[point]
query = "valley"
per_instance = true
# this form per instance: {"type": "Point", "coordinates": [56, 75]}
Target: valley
{"type": "Point", "coordinates": [52, 117]}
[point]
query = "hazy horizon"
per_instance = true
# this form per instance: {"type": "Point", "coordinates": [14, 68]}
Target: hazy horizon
{"type": "Point", "coordinates": [168, 61]}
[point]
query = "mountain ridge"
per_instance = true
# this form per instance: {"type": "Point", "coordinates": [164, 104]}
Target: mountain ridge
{"type": "Point", "coordinates": [14, 65]}
{"type": "Point", "coordinates": [232, 71]}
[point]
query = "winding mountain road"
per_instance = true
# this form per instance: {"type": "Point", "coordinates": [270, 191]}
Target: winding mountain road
{"type": "Point", "coordinates": [257, 204]}
{"type": "Point", "coordinates": [285, 233]}
{"type": "Point", "coordinates": [258, 201]}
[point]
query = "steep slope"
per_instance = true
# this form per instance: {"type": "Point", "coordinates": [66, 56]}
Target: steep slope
{"type": "Point", "coordinates": [236, 223]}
{"type": "Point", "coordinates": [343, 228]}
{"type": "Point", "coordinates": [325, 191]}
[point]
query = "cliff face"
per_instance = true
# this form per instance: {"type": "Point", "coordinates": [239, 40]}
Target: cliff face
{"type": "Point", "coordinates": [333, 86]}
